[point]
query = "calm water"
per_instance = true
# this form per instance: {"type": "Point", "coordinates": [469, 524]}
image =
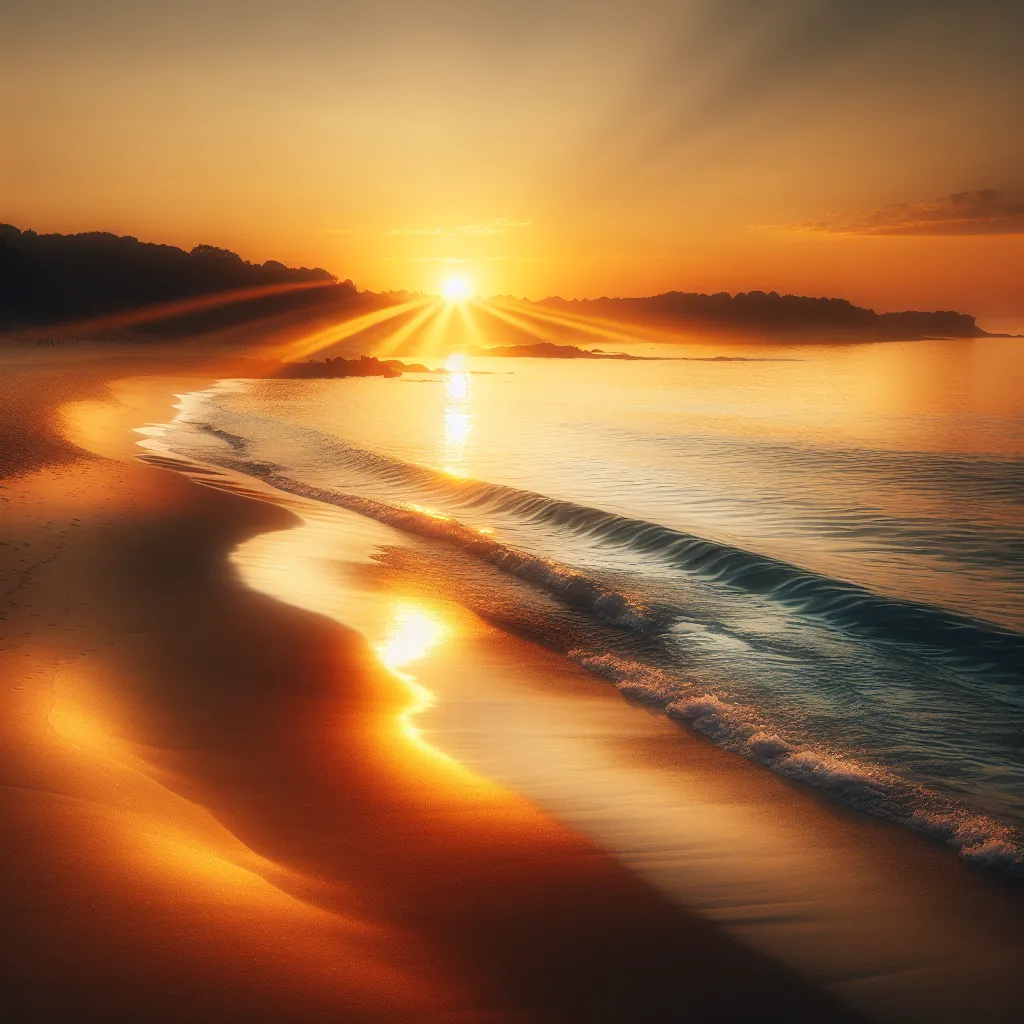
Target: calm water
{"type": "Point", "coordinates": [813, 554]}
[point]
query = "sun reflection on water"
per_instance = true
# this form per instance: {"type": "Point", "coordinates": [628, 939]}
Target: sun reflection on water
{"type": "Point", "coordinates": [458, 387]}
{"type": "Point", "coordinates": [458, 423]}
{"type": "Point", "coordinates": [412, 634]}
{"type": "Point", "coordinates": [427, 511]}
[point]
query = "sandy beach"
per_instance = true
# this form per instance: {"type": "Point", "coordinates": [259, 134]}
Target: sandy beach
{"type": "Point", "coordinates": [213, 809]}
{"type": "Point", "coordinates": [511, 513]}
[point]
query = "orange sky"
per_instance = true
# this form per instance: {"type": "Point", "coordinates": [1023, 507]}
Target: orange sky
{"type": "Point", "coordinates": [539, 148]}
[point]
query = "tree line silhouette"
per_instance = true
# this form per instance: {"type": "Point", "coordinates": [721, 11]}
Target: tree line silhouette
{"type": "Point", "coordinates": [46, 279]}
{"type": "Point", "coordinates": [772, 312]}
{"type": "Point", "coordinates": [50, 278]}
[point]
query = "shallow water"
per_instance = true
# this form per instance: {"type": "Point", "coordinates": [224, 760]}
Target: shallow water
{"type": "Point", "coordinates": [813, 554]}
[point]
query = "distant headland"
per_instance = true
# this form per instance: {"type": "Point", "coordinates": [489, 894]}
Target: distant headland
{"type": "Point", "coordinates": [548, 350]}
{"type": "Point", "coordinates": [92, 282]}
{"type": "Point", "coordinates": [770, 312]}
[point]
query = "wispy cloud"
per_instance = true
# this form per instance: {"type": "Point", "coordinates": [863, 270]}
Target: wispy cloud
{"type": "Point", "coordinates": [499, 226]}
{"type": "Point", "coordinates": [983, 211]}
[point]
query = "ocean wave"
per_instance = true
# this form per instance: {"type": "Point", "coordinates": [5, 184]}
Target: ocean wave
{"type": "Point", "coordinates": [870, 788]}
{"type": "Point", "coordinates": [731, 724]}
{"type": "Point", "coordinates": [571, 586]}
{"type": "Point", "coordinates": [233, 441]}
{"type": "Point", "coordinates": [962, 642]}
{"type": "Point", "coordinates": [848, 606]}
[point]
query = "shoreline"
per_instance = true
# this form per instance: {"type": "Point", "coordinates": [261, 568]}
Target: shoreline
{"type": "Point", "coordinates": [890, 920]}
{"type": "Point", "coordinates": [217, 816]}
{"type": "Point", "coordinates": [780, 866]}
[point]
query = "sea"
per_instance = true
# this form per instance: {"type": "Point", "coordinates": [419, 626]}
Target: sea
{"type": "Point", "coordinates": [809, 555]}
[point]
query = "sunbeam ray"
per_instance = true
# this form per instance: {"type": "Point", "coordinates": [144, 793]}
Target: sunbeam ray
{"type": "Point", "coordinates": [600, 328]}
{"type": "Point", "coordinates": [435, 333]}
{"type": "Point", "coordinates": [184, 307]}
{"type": "Point", "coordinates": [472, 330]}
{"type": "Point", "coordinates": [519, 323]}
{"type": "Point", "coordinates": [393, 342]}
{"type": "Point", "coordinates": [309, 344]}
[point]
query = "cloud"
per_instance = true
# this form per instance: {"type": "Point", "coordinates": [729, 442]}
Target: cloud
{"type": "Point", "coordinates": [980, 212]}
{"type": "Point", "coordinates": [499, 226]}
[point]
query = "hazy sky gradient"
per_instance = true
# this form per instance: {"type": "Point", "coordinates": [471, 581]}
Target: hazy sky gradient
{"type": "Point", "coordinates": [556, 147]}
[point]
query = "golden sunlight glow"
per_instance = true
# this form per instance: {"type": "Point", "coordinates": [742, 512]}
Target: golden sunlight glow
{"type": "Point", "coordinates": [430, 326]}
{"type": "Point", "coordinates": [457, 289]}
{"type": "Point", "coordinates": [457, 421]}
{"type": "Point", "coordinates": [527, 184]}
{"type": "Point", "coordinates": [427, 511]}
{"type": "Point", "coordinates": [412, 635]}
{"type": "Point", "coordinates": [310, 344]}
{"type": "Point", "coordinates": [457, 426]}
{"type": "Point", "coordinates": [458, 387]}
{"type": "Point", "coordinates": [414, 326]}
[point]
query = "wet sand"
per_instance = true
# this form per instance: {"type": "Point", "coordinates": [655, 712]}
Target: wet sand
{"type": "Point", "coordinates": [893, 923]}
{"type": "Point", "coordinates": [216, 810]}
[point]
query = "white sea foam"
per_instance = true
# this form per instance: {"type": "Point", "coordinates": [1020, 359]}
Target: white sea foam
{"type": "Point", "coordinates": [731, 724]}
{"type": "Point", "coordinates": [570, 585]}
{"type": "Point", "coordinates": [871, 788]}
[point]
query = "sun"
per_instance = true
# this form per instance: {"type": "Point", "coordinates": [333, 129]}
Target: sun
{"type": "Point", "coordinates": [456, 289]}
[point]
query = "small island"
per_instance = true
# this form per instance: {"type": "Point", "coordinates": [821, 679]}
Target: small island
{"type": "Point", "coordinates": [360, 366]}
{"type": "Point", "coordinates": [549, 350]}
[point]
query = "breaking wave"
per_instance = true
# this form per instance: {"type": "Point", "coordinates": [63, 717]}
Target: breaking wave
{"type": "Point", "coordinates": [569, 585]}
{"type": "Point", "coordinates": [966, 643]}
{"type": "Point", "coordinates": [984, 650]}
{"type": "Point", "coordinates": [867, 787]}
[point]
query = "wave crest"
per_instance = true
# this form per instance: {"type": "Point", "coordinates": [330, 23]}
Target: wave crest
{"type": "Point", "coordinates": [870, 788]}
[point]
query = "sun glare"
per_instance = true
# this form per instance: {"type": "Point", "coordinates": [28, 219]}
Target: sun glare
{"type": "Point", "coordinates": [412, 635]}
{"type": "Point", "coordinates": [456, 289]}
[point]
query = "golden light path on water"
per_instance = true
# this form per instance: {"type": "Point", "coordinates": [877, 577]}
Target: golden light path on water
{"type": "Point", "coordinates": [290, 565]}
{"type": "Point", "coordinates": [772, 867]}
{"type": "Point", "coordinates": [412, 634]}
{"type": "Point", "coordinates": [458, 423]}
